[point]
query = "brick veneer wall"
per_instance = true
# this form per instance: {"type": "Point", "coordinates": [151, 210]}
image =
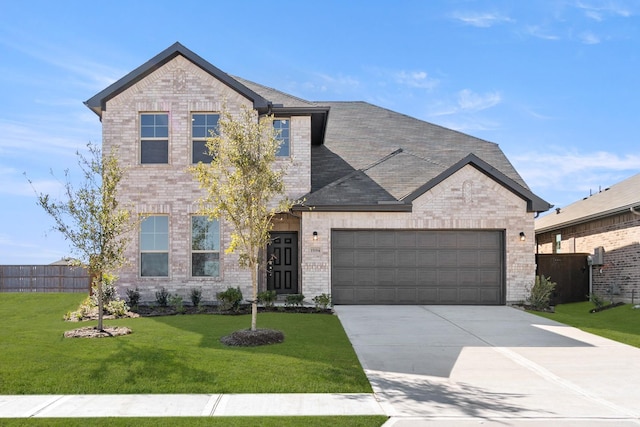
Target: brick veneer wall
{"type": "Point", "coordinates": [466, 200]}
{"type": "Point", "coordinates": [620, 236]}
{"type": "Point", "coordinates": [180, 88]}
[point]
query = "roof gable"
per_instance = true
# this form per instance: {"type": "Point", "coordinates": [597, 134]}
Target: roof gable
{"type": "Point", "coordinates": [97, 103]}
{"type": "Point", "coordinates": [534, 203]}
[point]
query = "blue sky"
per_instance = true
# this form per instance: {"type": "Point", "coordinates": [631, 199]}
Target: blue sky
{"type": "Point", "coordinates": [555, 83]}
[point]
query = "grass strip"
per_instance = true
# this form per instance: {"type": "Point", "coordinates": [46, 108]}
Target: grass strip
{"type": "Point", "coordinates": [620, 324]}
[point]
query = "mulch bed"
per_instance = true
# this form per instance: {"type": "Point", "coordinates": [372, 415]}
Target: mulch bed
{"type": "Point", "coordinates": [605, 307]}
{"type": "Point", "coordinates": [249, 338]}
{"type": "Point", "coordinates": [93, 332]}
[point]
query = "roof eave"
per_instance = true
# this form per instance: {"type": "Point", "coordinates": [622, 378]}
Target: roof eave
{"type": "Point", "coordinates": [588, 218]}
{"type": "Point", "coordinates": [381, 207]}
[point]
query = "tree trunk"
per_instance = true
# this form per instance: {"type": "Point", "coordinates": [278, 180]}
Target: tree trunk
{"type": "Point", "coordinates": [100, 302]}
{"type": "Point", "coordinates": [254, 299]}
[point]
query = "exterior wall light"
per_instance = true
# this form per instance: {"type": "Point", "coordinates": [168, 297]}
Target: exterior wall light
{"type": "Point", "coordinates": [522, 236]}
{"type": "Point", "coordinates": [315, 235]}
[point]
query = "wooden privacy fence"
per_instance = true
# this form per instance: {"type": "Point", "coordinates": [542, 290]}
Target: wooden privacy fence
{"type": "Point", "coordinates": [43, 278]}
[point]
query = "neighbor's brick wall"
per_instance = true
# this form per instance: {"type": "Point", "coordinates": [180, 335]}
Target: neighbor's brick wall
{"type": "Point", "coordinates": [180, 89]}
{"type": "Point", "coordinates": [620, 236]}
{"type": "Point", "coordinates": [466, 200]}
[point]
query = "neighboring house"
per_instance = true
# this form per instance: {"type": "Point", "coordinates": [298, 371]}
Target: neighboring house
{"type": "Point", "coordinates": [609, 219]}
{"type": "Point", "coordinates": [402, 211]}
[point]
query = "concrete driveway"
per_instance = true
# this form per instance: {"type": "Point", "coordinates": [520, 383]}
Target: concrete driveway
{"type": "Point", "coordinates": [465, 365]}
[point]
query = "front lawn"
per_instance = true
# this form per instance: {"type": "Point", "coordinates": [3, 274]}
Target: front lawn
{"type": "Point", "coordinates": [620, 323]}
{"type": "Point", "coordinates": [172, 354]}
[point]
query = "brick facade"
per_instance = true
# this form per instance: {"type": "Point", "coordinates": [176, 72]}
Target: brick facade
{"type": "Point", "coordinates": [180, 88]}
{"type": "Point", "coordinates": [183, 85]}
{"type": "Point", "coordinates": [619, 234]}
{"type": "Point", "coordinates": [466, 200]}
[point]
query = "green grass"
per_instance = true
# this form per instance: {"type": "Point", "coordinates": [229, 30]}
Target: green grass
{"type": "Point", "coordinates": [621, 323]}
{"type": "Point", "coordinates": [359, 421]}
{"type": "Point", "coordinates": [172, 354]}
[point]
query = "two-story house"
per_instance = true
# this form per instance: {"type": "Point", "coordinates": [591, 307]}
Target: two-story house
{"type": "Point", "coordinates": [403, 211]}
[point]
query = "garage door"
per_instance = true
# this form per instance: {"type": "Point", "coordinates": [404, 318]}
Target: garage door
{"type": "Point", "coordinates": [417, 267]}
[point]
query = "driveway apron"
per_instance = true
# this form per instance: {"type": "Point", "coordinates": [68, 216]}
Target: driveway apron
{"type": "Point", "coordinates": [456, 364]}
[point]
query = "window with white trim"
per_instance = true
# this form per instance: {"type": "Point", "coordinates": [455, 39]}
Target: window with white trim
{"type": "Point", "coordinates": [154, 246]}
{"type": "Point", "coordinates": [205, 247]}
{"type": "Point", "coordinates": [203, 126]}
{"type": "Point", "coordinates": [282, 128]}
{"type": "Point", "coordinates": [154, 138]}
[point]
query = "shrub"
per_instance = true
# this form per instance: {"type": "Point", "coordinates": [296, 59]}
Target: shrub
{"type": "Point", "coordinates": [162, 297]}
{"type": "Point", "coordinates": [196, 296]}
{"type": "Point", "coordinates": [230, 299]}
{"type": "Point", "coordinates": [267, 298]}
{"type": "Point", "coordinates": [597, 301]}
{"type": "Point", "coordinates": [133, 295]}
{"type": "Point", "coordinates": [117, 308]}
{"type": "Point", "coordinates": [540, 293]}
{"type": "Point", "coordinates": [294, 300]}
{"type": "Point", "coordinates": [177, 304]}
{"type": "Point", "coordinates": [322, 301]}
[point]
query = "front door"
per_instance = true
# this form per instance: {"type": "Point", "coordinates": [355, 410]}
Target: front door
{"type": "Point", "coordinates": [282, 262]}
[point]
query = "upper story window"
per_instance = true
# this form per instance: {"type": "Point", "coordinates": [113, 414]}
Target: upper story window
{"type": "Point", "coordinates": [205, 247]}
{"type": "Point", "coordinates": [154, 246]}
{"type": "Point", "coordinates": [282, 127]}
{"type": "Point", "coordinates": [154, 138]}
{"type": "Point", "coordinates": [203, 126]}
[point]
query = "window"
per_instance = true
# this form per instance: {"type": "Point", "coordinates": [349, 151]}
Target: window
{"type": "Point", "coordinates": [282, 131]}
{"type": "Point", "coordinates": [154, 246]}
{"type": "Point", "coordinates": [205, 247]}
{"type": "Point", "coordinates": [154, 138]}
{"type": "Point", "coordinates": [558, 245]}
{"type": "Point", "coordinates": [202, 127]}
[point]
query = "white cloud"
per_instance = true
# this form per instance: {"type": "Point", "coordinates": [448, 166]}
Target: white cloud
{"type": "Point", "coordinates": [81, 70]}
{"type": "Point", "coordinates": [540, 32]}
{"type": "Point", "coordinates": [471, 101]}
{"type": "Point", "coordinates": [588, 37]}
{"type": "Point", "coordinates": [14, 183]}
{"type": "Point", "coordinates": [47, 135]}
{"type": "Point", "coordinates": [600, 10]}
{"type": "Point", "coordinates": [322, 85]}
{"type": "Point", "coordinates": [568, 175]}
{"type": "Point", "coordinates": [466, 101]}
{"type": "Point", "coordinates": [416, 79]}
{"type": "Point", "coordinates": [482, 19]}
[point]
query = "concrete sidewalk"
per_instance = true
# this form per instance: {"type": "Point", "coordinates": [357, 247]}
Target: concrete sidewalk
{"type": "Point", "coordinates": [186, 405]}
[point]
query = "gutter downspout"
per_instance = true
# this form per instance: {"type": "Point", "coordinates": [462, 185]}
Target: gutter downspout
{"type": "Point", "coordinates": [633, 211]}
{"type": "Point", "coordinates": [590, 280]}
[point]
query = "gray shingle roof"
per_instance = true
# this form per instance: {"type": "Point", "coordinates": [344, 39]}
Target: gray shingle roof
{"type": "Point", "coordinates": [613, 200]}
{"type": "Point", "coordinates": [400, 153]}
{"type": "Point", "coordinates": [362, 154]}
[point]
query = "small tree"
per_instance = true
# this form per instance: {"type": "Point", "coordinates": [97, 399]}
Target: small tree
{"type": "Point", "coordinates": [90, 218]}
{"type": "Point", "coordinates": [243, 186]}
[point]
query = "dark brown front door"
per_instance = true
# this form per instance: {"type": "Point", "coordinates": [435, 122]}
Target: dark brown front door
{"type": "Point", "coordinates": [282, 267]}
